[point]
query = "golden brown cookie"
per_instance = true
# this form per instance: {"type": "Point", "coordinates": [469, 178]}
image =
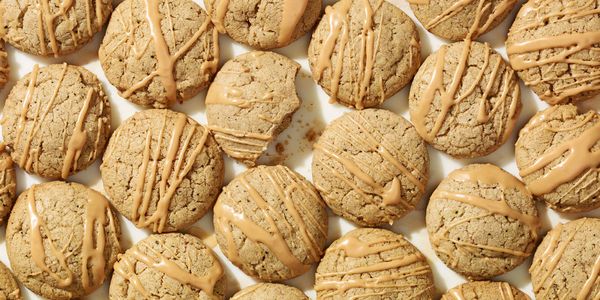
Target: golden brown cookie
{"type": "Point", "coordinates": [484, 290]}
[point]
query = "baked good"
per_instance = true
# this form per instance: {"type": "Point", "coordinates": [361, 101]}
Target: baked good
{"type": "Point", "coordinates": [56, 120]}
{"type": "Point", "coordinates": [270, 222]}
{"type": "Point", "coordinates": [8, 184]}
{"type": "Point", "coordinates": [62, 239]}
{"type": "Point", "coordinates": [484, 290]}
{"type": "Point", "coordinates": [9, 288]}
{"type": "Point", "coordinates": [482, 221]}
{"type": "Point", "coordinates": [363, 52]}
{"type": "Point", "coordinates": [567, 262]}
{"type": "Point", "coordinates": [373, 262]}
{"type": "Point", "coordinates": [158, 52]}
{"type": "Point", "coordinates": [4, 68]}
{"type": "Point", "coordinates": [557, 153]}
{"type": "Point", "coordinates": [162, 170]}
{"type": "Point", "coordinates": [465, 100]}
{"type": "Point", "coordinates": [456, 20]}
{"type": "Point", "coordinates": [52, 28]}
{"type": "Point", "coordinates": [264, 24]}
{"type": "Point", "coordinates": [370, 167]}
{"type": "Point", "coordinates": [250, 102]}
{"type": "Point", "coordinates": [552, 46]}
{"type": "Point", "coordinates": [168, 266]}
{"type": "Point", "coordinates": [269, 291]}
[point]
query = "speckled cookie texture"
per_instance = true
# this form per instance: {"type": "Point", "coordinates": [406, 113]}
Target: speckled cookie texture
{"type": "Point", "coordinates": [465, 100]}
{"type": "Point", "coordinates": [250, 102]}
{"type": "Point", "coordinates": [8, 184]}
{"type": "Point", "coordinates": [271, 223]}
{"type": "Point", "coordinates": [158, 52]}
{"type": "Point", "coordinates": [557, 157]}
{"type": "Point", "coordinates": [270, 291]}
{"type": "Point", "coordinates": [4, 67]}
{"type": "Point", "coordinates": [482, 221]}
{"type": "Point", "coordinates": [553, 47]}
{"type": "Point", "coordinates": [373, 264]}
{"type": "Point", "coordinates": [567, 262]}
{"type": "Point", "coordinates": [168, 266]}
{"type": "Point", "coordinates": [363, 52]}
{"type": "Point", "coordinates": [52, 27]}
{"type": "Point", "coordinates": [264, 24]}
{"type": "Point", "coordinates": [9, 288]}
{"type": "Point", "coordinates": [456, 20]}
{"type": "Point", "coordinates": [62, 239]}
{"type": "Point", "coordinates": [162, 170]}
{"type": "Point", "coordinates": [371, 167]}
{"type": "Point", "coordinates": [484, 290]}
{"type": "Point", "coordinates": [56, 120]}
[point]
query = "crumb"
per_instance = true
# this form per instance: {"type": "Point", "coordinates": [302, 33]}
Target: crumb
{"type": "Point", "coordinates": [312, 135]}
{"type": "Point", "coordinates": [280, 148]}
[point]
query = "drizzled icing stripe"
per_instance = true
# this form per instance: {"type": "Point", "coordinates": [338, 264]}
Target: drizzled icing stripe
{"type": "Point", "coordinates": [78, 138]}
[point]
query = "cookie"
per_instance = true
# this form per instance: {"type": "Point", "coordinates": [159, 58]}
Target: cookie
{"type": "Point", "coordinates": [370, 167]}
{"type": "Point", "coordinates": [8, 184]}
{"type": "Point", "coordinates": [270, 222]}
{"type": "Point", "coordinates": [465, 100]}
{"type": "Point", "coordinates": [567, 262]}
{"type": "Point", "coordinates": [373, 262]}
{"type": "Point", "coordinates": [159, 52]}
{"type": "Point", "coordinates": [264, 24]}
{"type": "Point", "coordinates": [363, 52]}
{"type": "Point", "coordinates": [482, 221]}
{"type": "Point", "coordinates": [62, 239]}
{"type": "Point", "coordinates": [168, 266]}
{"type": "Point", "coordinates": [552, 46]}
{"type": "Point", "coordinates": [269, 291]}
{"type": "Point", "coordinates": [55, 28]}
{"type": "Point", "coordinates": [250, 102]}
{"type": "Point", "coordinates": [456, 20]}
{"type": "Point", "coordinates": [162, 170]}
{"type": "Point", "coordinates": [56, 120]}
{"type": "Point", "coordinates": [4, 68]}
{"type": "Point", "coordinates": [484, 290]}
{"type": "Point", "coordinates": [9, 288]}
{"type": "Point", "coordinates": [557, 154]}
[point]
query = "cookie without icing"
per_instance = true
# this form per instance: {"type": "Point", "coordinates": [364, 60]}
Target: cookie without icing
{"type": "Point", "coordinates": [553, 45]}
{"type": "Point", "coordinates": [250, 102]}
{"type": "Point", "coordinates": [9, 288]}
{"type": "Point", "coordinates": [558, 155]}
{"type": "Point", "coordinates": [482, 221]}
{"type": "Point", "coordinates": [56, 120]}
{"type": "Point", "coordinates": [484, 290]}
{"type": "Point", "coordinates": [8, 184]}
{"type": "Point", "coordinates": [370, 167]}
{"type": "Point", "coordinates": [162, 170]}
{"type": "Point", "coordinates": [62, 239]}
{"type": "Point", "coordinates": [363, 52]}
{"type": "Point", "coordinates": [4, 68]}
{"type": "Point", "coordinates": [158, 52]}
{"type": "Point", "coordinates": [270, 222]}
{"type": "Point", "coordinates": [168, 266]}
{"type": "Point", "coordinates": [269, 291]}
{"type": "Point", "coordinates": [465, 100]}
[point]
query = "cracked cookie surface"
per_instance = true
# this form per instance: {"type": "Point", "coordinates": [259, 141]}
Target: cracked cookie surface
{"type": "Point", "coordinates": [272, 291]}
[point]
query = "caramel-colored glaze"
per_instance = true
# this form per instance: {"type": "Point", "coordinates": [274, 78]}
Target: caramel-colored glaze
{"type": "Point", "coordinates": [590, 283]}
{"type": "Point", "coordinates": [292, 12]}
{"type": "Point", "coordinates": [457, 293]}
{"type": "Point", "coordinates": [228, 95]}
{"type": "Point", "coordinates": [506, 291]}
{"type": "Point", "coordinates": [46, 20]}
{"type": "Point", "coordinates": [218, 15]}
{"type": "Point", "coordinates": [78, 138]}
{"type": "Point", "coordinates": [23, 114]}
{"type": "Point", "coordinates": [239, 133]}
{"type": "Point", "coordinates": [490, 175]}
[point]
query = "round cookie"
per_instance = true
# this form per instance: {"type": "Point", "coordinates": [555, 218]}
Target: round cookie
{"type": "Point", "coordinates": [553, 47]}
{"type": "Point", "coordinates": [370, 166]}
{"type": "Point", "coordinates": [264, 24]}
{"type": "Point", "coordinates": [158, 52]}
{"type": "Point", "coordinates": [56, 120]}
{"type": "Point", "coordinates": [250, 102]}
{"type": "Point", "coordinates": [55, 28]}
{"type": "Point", "coordinates": [8, 184]}
{"type": "Point", "coordinates": [567, 262]}
{"type": "Point", "coordinates": [484, 290]}
{"type": "Point", "coordinates": [368, 261]}
{"type": "Point", "coordinates": [363, 52]}
{"type": "Point", "coordinates": [162, 170]}
{"type": "Point", "coordinates": [557, 156]}
{"type": "Point", "coordinates": [269, 291]}
{"type": "Point", "coordinates": [456, 20]}
{"type": "Point", "coordinates": [62, 239]}
{"type": "Point", "coordinates": [271, 223]}
{"type": "Point", "coordinates": [4, 68]}
{"type": "Point", "coordinates": [482, 221]}
{"type": "Point", "coordinates": [465, 100]}
{"type": "Point", "coordinates": [9, 288]}
{"type": "Point", "coordinates": [168, 266]}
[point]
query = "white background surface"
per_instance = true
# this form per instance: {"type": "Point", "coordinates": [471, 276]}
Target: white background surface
{"type": "Point", "coordinates": [314, 114]}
